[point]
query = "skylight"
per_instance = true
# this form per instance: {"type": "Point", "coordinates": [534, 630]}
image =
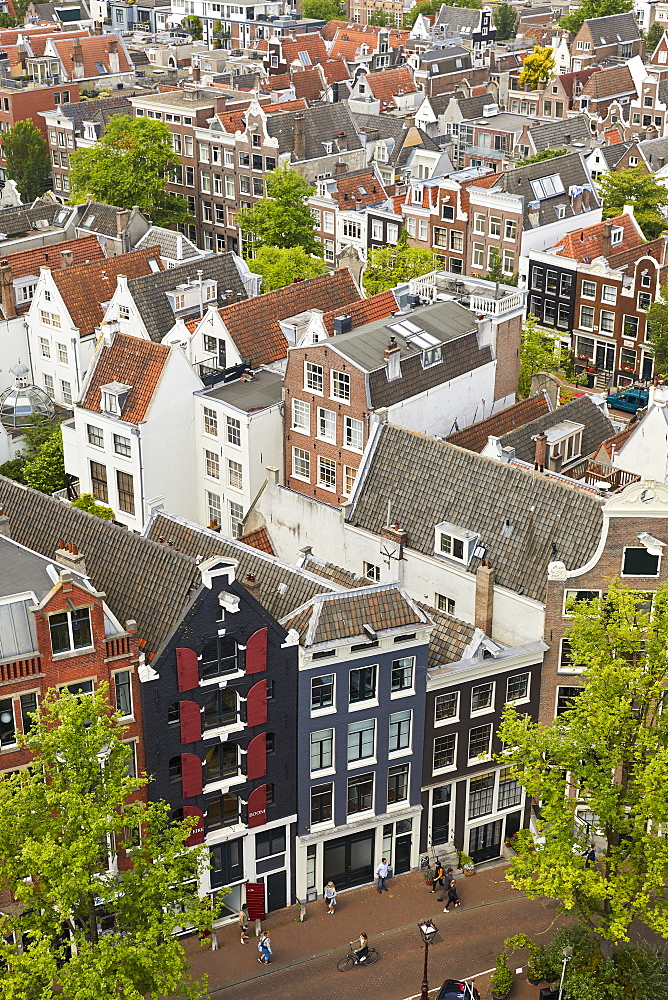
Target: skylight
{"type": "Point", "coordinates": [305, 58]}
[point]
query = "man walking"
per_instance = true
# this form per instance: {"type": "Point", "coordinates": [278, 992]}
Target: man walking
{"type": "Point", "coordinates": [448, 879]}
{"type": "Point", "coordinates": [381, 871]}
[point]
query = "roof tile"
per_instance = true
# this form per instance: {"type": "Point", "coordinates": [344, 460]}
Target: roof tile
{"type": "Point", "coordinates": [474, 437]}
{"type": "Point", "coordinates": [133, 361]}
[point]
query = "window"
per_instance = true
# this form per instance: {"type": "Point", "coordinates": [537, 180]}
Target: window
{"type": "Point", "coordinates": [98, 479]}
{"type": "Point", "coordinates": [322, 692]}
{"type": "Point", "coordinates": [511, 229]}
{"type": "Point", "coordinates": [321, 803]}
{"type": "Point", "coordinates": [400, 731]}
{"type": "Point", "coordinates": [126, 496]}
{"type": "Point", "coordinates": [95, 436]}
{"type": "Point", "coordinates": [589, 289]}
{"type": "Point", "coordinates": [644, 302]}
{"type": "Point", "coordinates": [349, 474]}
{"type": "Point", "coordinates": [222, 810]}
{"type": "Point", "coordinates": [565, 698]}
{"type": "Point", "coordinates": [28, 709]}
{"type": "Point", "coordinates": [446, 706]}
{"type": "Point", "coordinates": [517, 688]}
{"type": "Point", "coordinates": [123, 689]}
{"type": "Point", "coordinates": [586, 317]}
{"type": "Point", "coordinates": [571, 597]}
{"type": "Point", "coordinates": [270, 843]}
{"type": "Point", "coordinates": [233, 431]}
{"type": "Point", "coordinates": [456, 240]}
{"type": "Point", "coordinates": [444, 751]}
{"type": "Point", "coordinates": [566, 664]}
{"type": "Point", "coordinates": [62, 353]}
{"type": "Point", "coordinates": [510, 790]}
{"type": "Point", "coordinates": [481, 697]}
{"type": "Point", "coordinates": [402, 673]}
{"type": "Point", "coordinates": [301, 464]}
{"type": "Point", "coordinates": [630, 328]}
{"type": "Point", "coordinates": [219, 657]}
{"type": "Point", "coordinates": [340, 385]}
{"type": "Point", "coordinates": [481, 793]}
{"type": "Point", "coordinates": [607, 321]}
{"type": "Point", "coordinates": [478, 255]}
{"type": "Point", "coordinates": [236, 519]}
{"type": "Point", "coordinates": [220, 709]}
{"type": "Point", "coordinates": [628, 359]}
{"type": "Point", "coordinates": [7, 725]}
{"type": "Point", "coordinates": [50, 319]}
{"type": "Point", "coordinates": [479, 223]}
{"type": "Point", "coordinates": [361, 740]}
{"type": "Point", "coordinates": [362, 685]}
{"type": "Point", "coordinates": [609, 294]}
{"type": "Point", "coordinates": [235, 475]}
{"type": "Point", "coordinates": [222, 761]}
{"type": "Point", "coordinates": [322, 750]}
{"type": "Point", "coordinates": [397, 783]}
{"type": "Point", "coordinates": [313, 377]}
{"type": "Point", "coordinates": [372, 572]}
{"type": "Point", "coordinates": [213, 507]}
{"type": "Point", "coordinates": [508, 263]}
{"type": "Point", "coordinates": [122, 445]}
{"type": "Point", "coordinates": [639, 562]}
{"type": "Point", "coordinates": [494, 226]}
{"type": "Point", "coordinates": [212, 464]}
{"type": "Point", "coordinates": [326, 474]}
{"type": "Point", "coordinates": [326, 424]}
{"type": "Point", "coordinates": [354, 433]}
{"type": "Point", "coordinates": [451, 546]}
{"type": "Point", "coordinates": [480, 741]}
{"type": "Point", "coordinates": [210, 422]}
{"type": "Point", "coordinates": [70, 630]}
{"type": "Point", "coordinates": [360, 793]}
{"type": "Point", "coordinates": [44, 347]}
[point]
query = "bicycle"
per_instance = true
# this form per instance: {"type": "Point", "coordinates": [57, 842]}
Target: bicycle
{"type": "Point", "coordinates": [345, 964]}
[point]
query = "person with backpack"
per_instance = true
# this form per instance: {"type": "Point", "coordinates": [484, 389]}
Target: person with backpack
{"type": "Point", "coordinates": [330, 897]}
{"type": "Point", "coordinates": [438, 877]}
{"type": "Point", "coordinates": [264, 947]}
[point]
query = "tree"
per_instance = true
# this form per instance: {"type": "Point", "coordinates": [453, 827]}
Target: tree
{"type": "Point", "coordinates": [653, 37]}
{"type": "Point", "coordinates": [380, 19]}
{"type": "Point", "coordinates": [324, 10]}
{"type": "Point", "coordinates": [388, 266]}
{"type": "Point", "coordinates": [495, 272]}
{"type": "Point", "coordinates": [280, 267]}
{"type": "Point", "coordinates": [88, 502]}
{"type": "Point", "coordinates": [537, 67]}
{"type": "Point", "coordinates": [28, 162]}
{"type": "Point", "coordinates": [129, 166]}
{"type": "Point", "coordinates": [282, 219]}
{"type": "Point", "coordinates": [607, 752]}
{"type": "Point", "coordinates": [642, 190]}
{"type": "Point", "coordinates": [546, 154]}
{"type": "Point", "coordinates": [59, 819]}
{"type": "Point", "coordinates": [505, 22]}
{"type": "Point", "coordinates": [593, 8]}
{"type": "Point", "coordinates": [657, 324]}
{"type": "Point", "coordinates": [536, 354]}
{"type": "Point", "coordinates": [46, 470]}
{"type": "Point", "coordinates": [193, 25]}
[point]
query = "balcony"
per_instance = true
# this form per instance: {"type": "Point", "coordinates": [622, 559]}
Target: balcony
{"type": "Point", "coordinates": [485, 151]}
{"type": "Point", "coordinates": [603, 477]}
{"type": "Point", "coordinates": [483, 297]}
{"type": "Point", "coordinates": [18, 670]}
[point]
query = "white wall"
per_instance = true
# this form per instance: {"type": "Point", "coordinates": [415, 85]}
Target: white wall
{"type": "Point", "coordinates": [646, 451]}
{"type": "Point", "coordinates": [464, 399]}
{"type": "Point", "coordinates": [546, 236]}
{"type": "Point", "coordinates": [13, 345]}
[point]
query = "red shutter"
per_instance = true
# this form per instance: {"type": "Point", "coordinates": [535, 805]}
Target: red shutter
{"type": "Point", "coordinates": [197, 833]}
{"type": "Point", "coordinates": [256, 706]}
{"type": "Point", "coordinates": [256, 757]}
{"type": "Point", "coordinates": [255, 900]}
{"type": "Point", "coordinates": [256, 652]}
{"type": "Point", "coordinates": [191, 722]}
{"type": "Point", "coordinates": [257, 806]}
{"type": "Point", "coordinates": [191, 775]}
{"type": "Point", "coordinates": [187, 669]}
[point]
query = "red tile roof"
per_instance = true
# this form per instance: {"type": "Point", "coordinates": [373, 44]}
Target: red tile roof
{"type": "Point", "coordinates": [136, 362]}
{"type": "Point", "coordinates": [311, 43]}
{"type": "Point", "coordinates": [360, 188]}
{"type": "Point", "coordinates": [474, 437]}
{"type": "Point", "coordinates": [349, 40]}
{"type": "Point", "coordinates": [335, 70]}
{"type": "Point", "coordinates": [308, 84]}
{"type": "Point", "coordinates": [568, 80]}
{"type": "Point", "coordinates": [612, 135]}
{"type": "Point", "coordinates": [38, 44]}
{"type": "Point", "coordinates": [85, 288]}
{"type": "Point", "coordinates": [365, 311]}
{"type": "Point", "coordinates": [281, 81]}
{"type": "Point", "coordinates": [609, 82]}
{"type": "Point", "coordinates": [235, 120]}
{"type": "Point", "coordinates": [258, 539]}
{"type": "Point", "coordinates": [389, 84]}
{"type": "Point", "coordinates": [29, 261]}
{"type": "Point", "coordinates": [588, 243]}
{"type": "Point", "coordinates": [614, 443]}
{"type": "Point", "coordinates": [94, 49]}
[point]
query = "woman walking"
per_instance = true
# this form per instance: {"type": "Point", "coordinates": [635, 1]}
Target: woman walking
{"type": "Point", "coordinates": [264, 947]}
{"type": "Point", "coordinates": [330, 897]}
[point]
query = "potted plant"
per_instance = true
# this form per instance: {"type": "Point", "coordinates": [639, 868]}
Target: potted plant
{"type": "Point", "coordinates": [518, 942]}
{"type": "Point", "coordinates": [466, 863]}
{"type": "Point", "coordinates": [502, 978]}
{"type": "Point", "coordinates": [429, 874]}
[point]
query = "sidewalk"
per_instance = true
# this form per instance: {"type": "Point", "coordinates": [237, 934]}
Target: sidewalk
{"type": "Point", "coordinates": [491, 910]}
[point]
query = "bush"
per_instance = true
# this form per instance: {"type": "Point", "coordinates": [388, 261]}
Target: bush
{"type": "Point", "coordinates": [502, 979]}
{"type": "Point", "coordinates": [88, 502]}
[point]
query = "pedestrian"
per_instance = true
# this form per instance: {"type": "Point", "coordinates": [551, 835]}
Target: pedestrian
{"type": "Point", "coordinates": [330, 897]}
{"type": "Point", "coordinates": [264, 947]}
{"type": "Point", "coordinates": [448, 879]}
{"type": "Point", "coordinates": [381, 871]}
{"type": "Point", "coordinates": [214, 941]}
{"type": "Point", "coordinates": [453, 898]}
{"type": "Point", "coordinates": [590, 856]}
{"type": "Point", "coordinates": [438, 877]}
{"type": "Point", "coordinates": [243, 925]}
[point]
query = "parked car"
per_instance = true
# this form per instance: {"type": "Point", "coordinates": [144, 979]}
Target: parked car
{"type": "Point", "coordinates": [629, 400]}
{"type": "Point", "coordinates": [455, 989]}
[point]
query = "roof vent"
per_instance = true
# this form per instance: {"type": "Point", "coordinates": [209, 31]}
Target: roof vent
{"type": "Point", "coordinates": [343, 324]}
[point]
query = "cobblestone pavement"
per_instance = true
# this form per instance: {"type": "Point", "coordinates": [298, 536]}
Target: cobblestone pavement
{"type": "Point", "coordinates": [305, 954]}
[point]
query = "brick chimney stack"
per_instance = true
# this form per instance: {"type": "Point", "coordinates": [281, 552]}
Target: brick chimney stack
{"type": "Point", "coordinates": [66, 259]}
{"type": "Point", "coordinates": [70, 557]}
{"type": "Point", "coordinates": [253, 586]}
{"type": "Point", "coordinates": [77, 59]}
{"type": "Point", "coordinates": [114, 61]}
{"type": "Point", "coordinates": [541, 452]}
{"type": "Point", "coordinates": [484, 597]}
{"type": "Point", "coordinates": [7, 290]}
{"type": "Point", "coordinates": [300, 138]}
{"type": "Point", "coordinates": [607, 238]}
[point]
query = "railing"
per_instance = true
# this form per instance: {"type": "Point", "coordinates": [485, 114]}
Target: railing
{"type": "Point", "coordinates": [494, 154]}
{"type": "Point", "coordinates": [593, 473]}
{"type": "Point", "coordinates": [425, 286]}
{"type": "Point", "coordinates": [117, 647]}
{"type": "Point", "coordinates": [19, 669]}
{"type": "Point", "coordinates": [497, 307]}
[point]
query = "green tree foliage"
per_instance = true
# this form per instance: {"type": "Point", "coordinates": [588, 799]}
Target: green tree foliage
{"type": "Point", "coordinates": [536, 354]}
{"type": "Point", "coordinates": [389, 266]}
{"type": "Point", "coordinates": [57, 818]}
{"type": "Point", "coordinates": [193, 25]}
{"type": "Point", "coordinates": [280, 267]}
{"type": "Point", "coordinates": [594, 8]}
{"type": "Point", "coordinates": [657, 324]}
{"type": "Point", "coordinates": [380, 19]}
{"type": "Point", "coordinates": [282, 219]}
{"type": "Point", "coordinates": [324, 10]}
{"type": "Point", "coordinates": [495, 272]}
{"type": "Point", "coordinates": [46, 471]}
{"type": "Point", "coordinates": [88, 502]}
{"type": "Point", "coordinates": [7, 21]}
{"type": "Point", "coordinates": [537, 67]}
{"type": "Point", "coordinates": [642, 190]}
{"type": "Point", "coordinates": [608, 751]}
{"type": "Point", "coordinates": [653, 37]}
{"type": "Point", "coordinates": [27, 158]}
{"type": "Point", "coordinates": [505, 22]}
{"type": "Point", "coordinates": [546, 154]}
{"type": "Point", "coordinates": [129, 166]}
{"type": "Point", "coordinates": [433, 7]}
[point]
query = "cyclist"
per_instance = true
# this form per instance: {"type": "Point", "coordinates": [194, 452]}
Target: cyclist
{"type": "Point", "coordinates": [362, 949]}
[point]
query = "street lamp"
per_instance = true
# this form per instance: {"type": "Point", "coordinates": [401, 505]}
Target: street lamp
{"type": "Point", "coordinates": [568, 954]}
{"type": "Point", "coordinates": [428, 930]}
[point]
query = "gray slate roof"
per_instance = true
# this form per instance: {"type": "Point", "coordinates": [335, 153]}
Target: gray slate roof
{"type": "Point", "coordinates": [149, 291]}
{"type": "Point", "coordinates": [98, 110]}
{"type": "Point", "coordinates": [96, 217]}
{"type": "Point", "coordinates": [173, 245]}
{"type": "Point", "coordinates": [322, 123]}
{"type": "Point", "coordinates": [454, 17]}
{"type": "Point", "coordinates": [597, 428]}
{"type": "Point", "coordinates": [652, 149]}
{"type": "Point", "coordinates": [16, 221]}
{"type": "Point", "coordinates": [548, 135]}
{"type": "Point", "coordinates": [449, 638]}
{"type": "Point", "coordinates": [613, 153]}
{"type": "Point", "coordinates": [613, 29]}
{"type": "Point", "coordinates": [572, 170]}
{"type": "Point", "coordinates": [472, 107]}
{"type": "Point", "coordinates": [431, 481]}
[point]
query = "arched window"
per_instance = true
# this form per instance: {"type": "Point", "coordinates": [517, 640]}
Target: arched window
{"type": "Point", "coordinates": [222, 761]}
{"type": "Point", "coordinates": [173, 713]}
{"type": "Point", "coordinates": [219, 656]}
{"type": "Point", "coordinates": [220, 709]}
{"type": "Point", "coordinates": [175, 768]}
{"type": "Point", "coordinates": [222, 810]}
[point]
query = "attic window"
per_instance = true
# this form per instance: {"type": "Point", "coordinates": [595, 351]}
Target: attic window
{"type": "Point", "coordinates": [616, 235]}
{"type": "Point", "coordinates": [101, 69]}
{"type": "Point", "coordinates": [113, 397]}
{"type": "Point", "coordinates": [454, 542]}
{"type": "Point", "coordinates": [546, 187]}
{"type": "Point", "coordinates": [89, 220]}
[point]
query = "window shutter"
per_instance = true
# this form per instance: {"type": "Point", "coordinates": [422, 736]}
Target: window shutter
{"type": "Point", "coordinates": [256, 757]}
{"type": "Point", "coordinates": [257, 806]}
{"type": "Point", "coordinates": [187, 669]}
{"type": "Point", "coordinates": [255, 900]}
{"type": "Point", "coordinates": [256, 705]}
{"type": "Point", "coordinates": [256, 652]}
{"type": "Point", "coordinates": [197, 833]}
{"type": "Point", "coordinates": [191, 722]}
{"type": "Point", "coordinates": [191, 775]}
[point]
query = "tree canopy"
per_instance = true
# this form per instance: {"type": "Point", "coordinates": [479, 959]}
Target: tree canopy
{"type": "Point", "coordinates": [27, 156]}
{"type": "Point", "coordinates": [634, 186]}
{"type": "Point", "coordinates": [537, 67]}
{"type": "Point", "coordinates": [537, 354]}
{"type": "Point", "coordinates": [654, 36]}
{"type": "Point", "coordinates": [89, 930]}
{"type": "Point", "coordinates": [657, 324]}
{"type": "Point", "coordinates": [593, 8]}
{"type": "Point", "coordinates": [283, 219]}
{"type": "Point", "coordinates": [40, 464]}
{"type": "Point", "coordinates": [388, 266]}
{"type": "Point", "coordinates": [505, 21]}
{"type": "Point", "coordinates": [607, 753]}
{"type": "Point", "coordinates": [280, 267]}
{"type": "Point", "coordinates": [88, 502]}
{"type": "Point", "coordinates": [129, 165]}
{"type": "Point", "coordinates": [545, 154]}
{"type": "Point", "coordinates": [324, 10]}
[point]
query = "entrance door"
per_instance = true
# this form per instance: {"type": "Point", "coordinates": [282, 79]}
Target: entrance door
{"type": "Point", "coordinates": [485, 841]}
{"type": "Point", "coordinates": [402, 854]}
{"type": "Point", "coordinates": [605, 356]}
{"type": "Point", "coordinates": [349, 860]}
{"type": "Point", "coordinates": [647, 367]}
{"type": "Point", "coordinates": [513, 823]}
{"type": "Point", "coordinates": [276, 891]}
{"type": "Point", "coordinates": [440, 814]}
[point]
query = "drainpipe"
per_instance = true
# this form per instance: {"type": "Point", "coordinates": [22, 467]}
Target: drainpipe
{"type": "Point", "coordinates": [137, 433]}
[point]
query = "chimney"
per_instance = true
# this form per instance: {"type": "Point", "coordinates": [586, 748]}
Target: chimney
{"type": "Point", "coordinates": [342, 140]}
{"type": "Point", "coordinates": [114, 63]}
{"type": "Point", "coordinates": [392, 357]}
{"type": "Point", "coordinates": [484, 598]}
{"type": "Point", "coordinates": [541, 452]}
{"type": "Point", "coordinates": [4, 525]}
{"type": "Point", "coordinates": [252, 586]}
{"type": "Point", "coordinates": [196, 74]}
{"type": "Point", "coordinates": [567, 139]}
{"type": "Point", "coordinates": [397, 535]}
{"type": "Point", "coordinates": [97, 28]}
{"type": "Point", "coordinates": [70, 557]}
{"type": "Point", "coordinates": [77, 59]}
{"type": "Point", "coordinates": [300, 138]}
{"type": "Point", "coordinates": [607, 239]}
{"type": "Point", "coordinates": [66, 259]}
{"type": "Point", "coordinates": [7, 290]}
{"type": "Point", "coordinates": [335, 92]}
{"type": "Point", "coordinates": [122, 217]}
{"type": "Point", "coordinates": [340, 168]}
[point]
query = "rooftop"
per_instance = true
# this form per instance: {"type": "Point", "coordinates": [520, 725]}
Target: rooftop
{"type": "Point", "coordinates": [263, 390]}
{"type": "Point", "coordinates": [132, 362]}
{"type": "Point", "coordinates": [474, 437]}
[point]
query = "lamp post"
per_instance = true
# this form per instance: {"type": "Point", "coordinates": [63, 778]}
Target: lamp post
{"type": "Point", "coordinates": [568, 954]}
{"type": "Point", "coordinates": [428, 930]}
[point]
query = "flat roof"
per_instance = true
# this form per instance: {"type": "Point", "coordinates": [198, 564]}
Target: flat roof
{"type": "Point", "coordinates": [265, 389]}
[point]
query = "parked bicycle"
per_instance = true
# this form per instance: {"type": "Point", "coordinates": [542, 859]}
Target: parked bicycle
{"type": "Point", "coordinates": [345, 964]}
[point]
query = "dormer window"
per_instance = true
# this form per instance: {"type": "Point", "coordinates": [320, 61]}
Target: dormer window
{"type": "Point", "coordinates": [616, 235]}
{"type": "Point", "coordinates": [454, 542]}
{"type": "Point", "coordinates": [113, 397]}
